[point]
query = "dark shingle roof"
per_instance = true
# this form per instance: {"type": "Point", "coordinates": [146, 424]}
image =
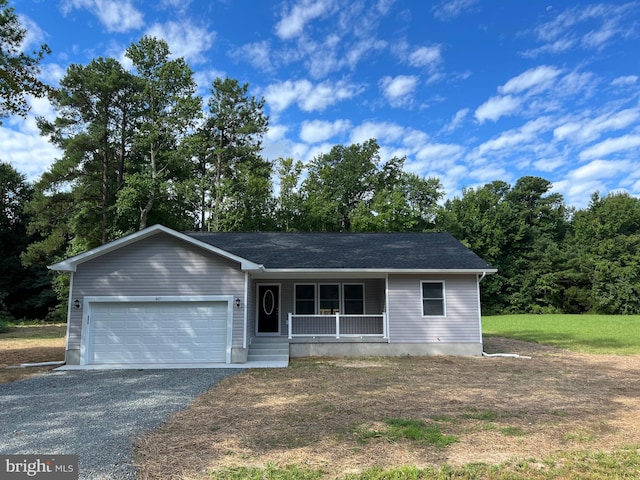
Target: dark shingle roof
{"type": "Point", "coordinates": [397, 251]}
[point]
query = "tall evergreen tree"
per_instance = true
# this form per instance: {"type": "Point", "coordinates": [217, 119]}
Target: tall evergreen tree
{"type": "Point", "coordinates": [18, 70]}
{"type": "Point", "coordinates": [168, 112]}
{"type": "Point", "coordinates": [94, 129]}
{"type": "Point", "coordinates": [235, 188]}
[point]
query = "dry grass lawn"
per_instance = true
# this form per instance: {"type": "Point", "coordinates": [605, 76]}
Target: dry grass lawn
{"type": "Point", "coordinates": [314, 413]}
{"type": "Point", "coordinates": [30, 344]}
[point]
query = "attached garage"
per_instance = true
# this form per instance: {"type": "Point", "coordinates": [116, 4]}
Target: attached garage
{"type": "Point", "coordinates": [157, 330]}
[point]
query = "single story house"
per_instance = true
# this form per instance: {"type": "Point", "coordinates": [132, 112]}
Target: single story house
{"type": "Point", "coordinates": [163, 298]}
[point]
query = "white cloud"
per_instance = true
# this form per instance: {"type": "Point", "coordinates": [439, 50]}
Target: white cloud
{"type": "Point", "coordinates": [549, 164]}
{"type": "Point", "coordinates": [115, 15]}
{"type": "Point", "coordinates": [399, 90]}
{"type": "Point", "coordinates": [425, 56]}
{"type": "Point", "coordinates": [28, 152]}
{"type": "Point", "coordinates": [384, 132]}
{"type": "Point", "coordinates": [558, 46]}
{"type": "Point", "coordinates": [591, 26]}
{"type": "Point", "coordinates": [599, 169]}
{"type": "Point", "coordinates": [34, 35]}
{"type": "Point", "coordinates": [590, 130]}
{"type": "Point", "coordinates": [308, 97]}
{"type": "Point", "coordinates": [276, 144]}
{"type": "Point", "coordinates": [258, 54]}
{"type": "Point", "coordinates": [317, 131]}
{"type": "Point", "coordinates": [579, 184]}
{"type": "Point", "coordinates": [511, 139]}
{"type": "Point", "coordinates": [452, 8]}
{"type": "Point", "coordinates": [293, 22]}
{"type": "Point", "coordinates": [624, 80]}
{"type": "Point", "coordinates": [439, 155]}
{"type": "Point", "coordinates": [497, 107]}
{"type": "Point", "coordinates": [51, 73]}
{"type": "Point", "coordinates": [184, 39]}
{"type": "Point", "coordinates": [538, 78]}
{"type": "Point", "coordinates": [611, 145]}
{"type": "Point", "coordinates": [457, 120]}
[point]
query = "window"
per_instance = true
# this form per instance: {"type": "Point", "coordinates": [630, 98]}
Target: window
{"type": "Point", "coordinates": [305, 299]}
{"type": "Point", "coordinates": [433, 299]}
{"type": "Point", "coordinates": [353, 297]}
{"type": "Point", "coordinates": [329, 299]}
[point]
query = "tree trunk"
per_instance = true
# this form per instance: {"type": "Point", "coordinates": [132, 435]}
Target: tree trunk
{"type": "Point", "coordinates": [144, 212]}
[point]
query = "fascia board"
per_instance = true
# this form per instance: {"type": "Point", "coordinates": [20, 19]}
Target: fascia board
{"type": "Point", "coordinates": [337, 271]}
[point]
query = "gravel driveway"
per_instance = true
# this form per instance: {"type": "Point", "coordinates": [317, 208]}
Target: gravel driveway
{"type": "Point", "coordinates": [95, 414]}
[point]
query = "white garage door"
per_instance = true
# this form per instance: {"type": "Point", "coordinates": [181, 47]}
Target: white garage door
{"type": "Point", "coordinates": [157, 332]}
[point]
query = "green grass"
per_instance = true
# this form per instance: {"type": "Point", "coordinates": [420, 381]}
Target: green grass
{"type": "Point", "coordinates": [616, 465]}
{"type": "Point", "coordinates": [600, 334]}
{"type": "Point", "coordinates": [416, 430]}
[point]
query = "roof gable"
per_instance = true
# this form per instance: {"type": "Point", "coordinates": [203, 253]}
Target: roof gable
{"type": "Point", "coordinates": [70, 264]}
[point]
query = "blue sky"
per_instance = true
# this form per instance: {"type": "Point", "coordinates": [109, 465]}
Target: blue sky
{"type": "Point", "coordinates": [469, 91]}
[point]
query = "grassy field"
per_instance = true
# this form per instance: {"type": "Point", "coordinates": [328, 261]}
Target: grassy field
{"type": "Point", "coordinates": [599, 334]}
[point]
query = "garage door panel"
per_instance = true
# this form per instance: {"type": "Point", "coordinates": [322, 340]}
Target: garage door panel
{"type": "Point", "coordinates": [158, 332]}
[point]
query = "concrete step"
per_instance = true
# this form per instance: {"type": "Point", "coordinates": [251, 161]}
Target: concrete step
{"type": "Point", "coordinates": [268, 349]}
{"type": "Point", "coordinates": [267, 358]}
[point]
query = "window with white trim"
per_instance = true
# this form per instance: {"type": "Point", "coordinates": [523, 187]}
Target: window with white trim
{"type": "Point", "coordinates": [433, 303]}
{"type": "Point", "coordinates": [353, 298]}
{"type": "Point", "coordinates": [329, 298]}
{"type": "Point", "coordinates": [305, 300]}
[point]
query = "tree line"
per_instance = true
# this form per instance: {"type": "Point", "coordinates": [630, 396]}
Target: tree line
{"type": "Point", "coordinates": [140, 147]}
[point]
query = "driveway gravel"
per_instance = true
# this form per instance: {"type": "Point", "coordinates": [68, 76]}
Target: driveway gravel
{"type": "Point", "coordinates": [95, 414]}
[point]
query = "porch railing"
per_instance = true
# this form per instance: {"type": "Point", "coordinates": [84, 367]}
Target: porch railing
{"type": "Point", "coordinates": [337, 325]}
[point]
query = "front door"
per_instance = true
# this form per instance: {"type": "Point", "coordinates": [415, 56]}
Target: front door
{"type": "Point", "coordinates": [269, 309]}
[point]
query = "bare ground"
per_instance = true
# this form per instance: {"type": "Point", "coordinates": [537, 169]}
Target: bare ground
{"type": "Point", "coordinates": [311, 413]}
{"type": "Point", "coordinates": [30, 344]}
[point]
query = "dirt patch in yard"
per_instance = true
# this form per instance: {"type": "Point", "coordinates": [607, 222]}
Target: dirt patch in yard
{"type": "Point", "coordinates": [320, 413]}
{"type": "Point", "coordinates": [30, 344]}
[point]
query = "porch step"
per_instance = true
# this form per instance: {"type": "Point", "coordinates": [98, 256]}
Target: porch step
{"type": "Point", "coordinates": [268, 349]}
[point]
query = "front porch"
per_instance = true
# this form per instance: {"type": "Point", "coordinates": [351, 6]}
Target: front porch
{"type": "Point", "coordinates": [337, 326]}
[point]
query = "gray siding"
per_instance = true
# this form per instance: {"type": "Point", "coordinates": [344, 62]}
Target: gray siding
{"type": "Point", "coordinates": [462, 321]}
{"type": "Point", "coordinates": [159, 265]}
{"type": "Point", "coordinates": [373, 292]}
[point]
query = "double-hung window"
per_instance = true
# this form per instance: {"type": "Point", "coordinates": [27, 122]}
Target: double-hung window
{"type": "Point", "coordinates": [433, 300]}
{"type": "Point", "coordinates": [353, 298]}
{"type": "Point", "coordinates": [305, 299]}
{"type": "Point", "coordinates": [329, 298]}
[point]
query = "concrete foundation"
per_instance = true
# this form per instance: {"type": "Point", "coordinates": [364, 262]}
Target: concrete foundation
{"type": "Point", "coordinates": [362, 349]}
{"type": "Point", "coordinates": [72, 357]}
{"type": "Point", "coordinates": [239, 355]}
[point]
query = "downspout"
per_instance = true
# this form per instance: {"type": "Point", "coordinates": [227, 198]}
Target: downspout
{"type": "Point", "coordinates": [480, 278]}
{"type": "Point", "coordinates": [246, 307]}
{"type": "Point", "coordinates": [69, 305]}
{"type": "Point", "coordinates": [386, 299]}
